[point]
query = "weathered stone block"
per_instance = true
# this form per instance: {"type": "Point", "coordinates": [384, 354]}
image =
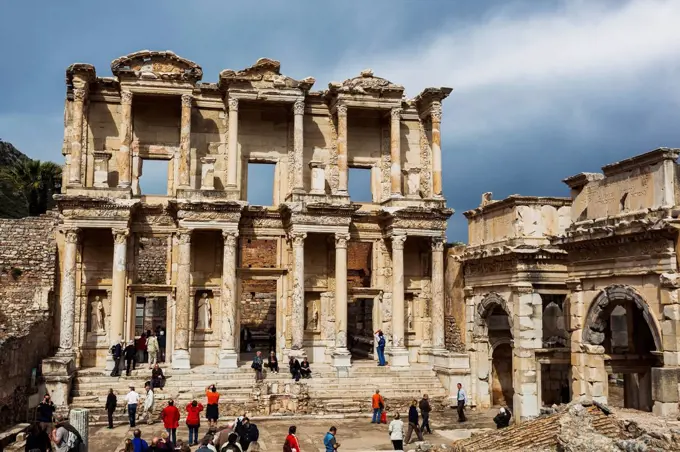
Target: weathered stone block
{"type": "Point", "coordinates": [665, 384]}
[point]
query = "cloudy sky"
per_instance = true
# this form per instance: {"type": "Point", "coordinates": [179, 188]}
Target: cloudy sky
{"type": "Point", "coordinates": [542, 89]}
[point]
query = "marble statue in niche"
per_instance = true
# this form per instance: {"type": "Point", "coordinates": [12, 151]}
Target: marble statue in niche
{"type": "Point", "coordinates": [97, 315]}
{"type": "Point", "coordinates": [409, 316]}
{"type": "Point", "coordinates": [204, 313]}
{"type": "Point", "coordinates": [313, 323]}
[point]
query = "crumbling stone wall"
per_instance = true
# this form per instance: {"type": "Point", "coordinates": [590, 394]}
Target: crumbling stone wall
{"type": "Point", "coordinates": [359, 264]}
{"type": "Point", "coordinates": [152, 256]}
{"type": "Point", "coordinates": [258, 304]}
{"type": "Point", "coordinates": [28, 271]}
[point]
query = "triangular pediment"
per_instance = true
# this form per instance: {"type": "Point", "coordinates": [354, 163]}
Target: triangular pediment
{"type": "Point", "coordinates": [265, 74]}
{"type": "Point", "coordinates": [154, 65]}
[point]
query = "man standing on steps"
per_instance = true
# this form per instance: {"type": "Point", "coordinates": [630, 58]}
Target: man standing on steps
{"type": "Point", "coordinates": [132, 400]}
{"type": "Point", "coordinates": [378, 404]}
{"type": "Point", "coordinates": [461, 398]}
{"type": "Point", "coordinates": [380, 347]}
{"type": "Point", "coordinates": [117, 353]}
{"type": "Point", "coordinates": [425, 409]}
{"type": "Point", "coordinates": [148, 404]}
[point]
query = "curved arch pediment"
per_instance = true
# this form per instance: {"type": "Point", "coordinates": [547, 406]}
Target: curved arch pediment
{"type": "Point", "coordinates": [611, 296]}
{"type": "Point", "coordinates": [148, 64]}
{"type": "Point", "coordinates": [488, 303]}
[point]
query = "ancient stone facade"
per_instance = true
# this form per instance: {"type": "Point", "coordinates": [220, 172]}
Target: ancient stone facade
{"type": "Point", "coordinates": [565, 296]}
{"type": "Point", "coordinates": [213, 261]}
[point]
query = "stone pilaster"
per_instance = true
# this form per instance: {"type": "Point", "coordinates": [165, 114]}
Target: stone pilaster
{"type": "Point", "coordinates": [298, 145]}
{"type": "Point", "coordinates": [185, 142]}
{"type": "Point", "coordinates": [438, 334]}
{"type": "Point", "coordinates": [228, 353]}
{"type": "Point", "coordinates": [341, 356]}
{"type": "Point", "coordinates": [298, 311]}
{"type": "Point", "coordinates": [398, 352]}
{"type": "Point", "coordinates": [436, 117]}
{"type": "Point", "coordinates": [180, 356]}
{"type": "Point", "coordinates": [123, 155]}
{"type": "Point", "coordinates": [232, 149]}
{"type": "Point", "coordinates": [395, 151]}
{"type": "Point", "coordinates": [118, 286]}
{"type": "Point", "coordinates": [78, 112]}
{"type": "Point", "coordinates": [342, 148]}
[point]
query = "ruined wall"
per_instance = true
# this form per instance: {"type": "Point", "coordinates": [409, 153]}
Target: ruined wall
{"type": "Point", "coordinates": [151, 252]}
{"type": "Point", "coordinates": [359, 258]}
{"type": "Point", "coordinates": [28, 257]}
{"type": "Point", "coordinates": [258, 253]}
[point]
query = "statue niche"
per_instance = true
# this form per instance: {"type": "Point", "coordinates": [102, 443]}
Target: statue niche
{"type": "Point", "coordinates": [204, 311]}
{"type": "Point", "coordinates": [97, 317]}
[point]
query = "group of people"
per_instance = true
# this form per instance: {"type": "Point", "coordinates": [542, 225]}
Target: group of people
{"type": "Point", "coordinates": [148, 348]}
{"type": "Point", "coordinates": [396, 427]}
{"type": "Point", "coordinates": [297, 369]}
{"type": "Point", "coordinates": [46, 433]}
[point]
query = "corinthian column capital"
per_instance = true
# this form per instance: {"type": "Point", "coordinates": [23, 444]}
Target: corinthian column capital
{"type": "Point", "coordinates": [398, 241]}
{"type": "Point", "coordinates": [436, 111]}
{"type": "Point", "coordinates": [79, 94]}
{"type": "Point", "coordinates": [341, 110]}
{"type": "Point", "coordinates": [395, 113]}
{"type": "Point", "coordinates": [184, 237]}
{"type": "Point", "coordinates": [71, 235]}
{"type": "Point", "coordinates": [120, 235]}
{"type": "Point", "coordinates": [126, 97]}
{"type": "Point", "coordinates": [438, 244]}
{"type": "Point", "coordinates": [233, 104]}
{"type": "Point", "coordinates": [341, 239]}
{"type": "Point", "coordinates": [299, 107]}
{"type": "Point", "coordinates": [187, 100]}
{"type": "Point", "coordinates": [230, 238]}
{"type": "Point", "coordinates": [298, 238]}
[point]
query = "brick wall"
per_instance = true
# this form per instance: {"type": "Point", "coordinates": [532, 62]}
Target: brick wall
{"type": "Point", "coordinates": [28, 271]}
{"type": "Point", "coordinates": [258, 304]}
{"type": "Point", "coordinates": [257, 253]}
{"type": "Point", "coordinates": [152, 255]}
{"type": "Point", "coordinates": [359, 255]}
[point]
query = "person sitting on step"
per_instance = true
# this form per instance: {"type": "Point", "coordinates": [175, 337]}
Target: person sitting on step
{"type": "Point", "coordinates": [305, 370]}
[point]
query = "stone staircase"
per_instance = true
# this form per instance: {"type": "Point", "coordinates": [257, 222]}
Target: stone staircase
{"type": "Point", "coordinates": [324, 393]}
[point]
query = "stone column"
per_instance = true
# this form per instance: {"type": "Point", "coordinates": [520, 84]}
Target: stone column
{"type": "Point", "coordinates": [180, 356]}
{"type": "Point", "coordinates": [228, 352]}
{"type": "Point", "coordinates": [398, 351]}
{"type": "Point", "coordinates": [298, 313]}
{"type": "Point", "coordinates": [79, 95]}
{"type": "Point", "coordinates": [298, 145]}
{"type": "Point", "coordinates": [232, 150]}
{"type": "Point", "coordinates": [123, 155]}
{"type": "Point", "coordinates": [185, 142]}
{"type": "Point", "coordinates": [436, 116]}
{"type": "Point", "coordinates": [68, 293]}
{"type": "Point", "coordinates": [341, 356]}
{"type": "Point", "coordinates": [79, 418]}
{"type": "Point", "coordinates": [342, 148]}
{"type": "Point", "coordinates": [119, 286]}
{"type": "Point", "coordinates": [395, 151]}
{"type": "Point", "coordinates": [438, 338]}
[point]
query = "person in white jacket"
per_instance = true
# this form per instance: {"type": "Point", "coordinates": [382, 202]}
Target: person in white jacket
{"type": "Point", "coordinates": [148, 404]}
{"type": "Point", "coordinates": [396, 431]}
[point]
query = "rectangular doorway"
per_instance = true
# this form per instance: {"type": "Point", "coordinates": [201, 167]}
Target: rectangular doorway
{"type": "Point", "coordinates": [257, 317]}
{"type": "Point", "coordinates": [151, 315]}
{"type": "Point", "coordinates": [360, 328]}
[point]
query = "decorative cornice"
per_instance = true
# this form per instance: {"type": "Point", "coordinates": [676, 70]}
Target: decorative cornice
{"type": "Point", "coordinates": [646, 159]}
{"type": "Point", "coordinates": [517, 200]}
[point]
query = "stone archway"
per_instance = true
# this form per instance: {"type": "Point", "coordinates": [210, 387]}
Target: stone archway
{"type": "Point", "coordinates": [489, 303]}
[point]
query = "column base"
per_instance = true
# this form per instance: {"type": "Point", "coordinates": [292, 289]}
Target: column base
{"type": "Point", "coordinates": [342, 358]}
{"type": "Point", "coordinates": [398, 357]}
{"type": "Point", "coordinates": [181, 360]}
{"type": "Point", "coordinates": [58, 372]}
{"type": "Point", "coordinates": [665, 408]}
{"type": "Point", "coordinates": [228, 359]}
{"type": "Point", "coordinates": [298, 354]}
{"type": "Point", "coordinates": [110, 362]}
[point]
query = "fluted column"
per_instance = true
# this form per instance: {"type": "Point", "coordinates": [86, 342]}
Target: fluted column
{"type": "Point", "coordinates": [123, 155]}
{"type": "Point", "coordinates": [438, 341]}
{"type": "Point", "coordinates": [118, 286]}
{"type": "Point", "coordinates": [298, 144]}
{"type": "Point", "coordinates": [395, 151]}
{"type": "Point", "coordinates": [228, 353]}
{"type": "Point", "coordinates": [232, 150]}
{"type": "Point", "coordinates": [398, 352]}
{"type": "Point", "coordinates": [185, 141]}
{"type": "Point", "coordinates": [298, 312]}
{"type": "Point", "coordinates": [79, 94]}
{"type": "Point", "coordinates": [436, 115]}
{"type": "Point", "coordinates": [342, 148]}
{"type": "Point", "coordinates": [68, 293]}
{"type": "Point", "coordinates": [341, 356]}
{"type": "Point", "coordinates": [180, 356]}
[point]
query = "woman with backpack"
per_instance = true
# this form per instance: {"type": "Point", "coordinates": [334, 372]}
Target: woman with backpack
{"type": "Point", "coordinates": [380, 346]}
{"type": "Point", "coordinates": [194, 421]}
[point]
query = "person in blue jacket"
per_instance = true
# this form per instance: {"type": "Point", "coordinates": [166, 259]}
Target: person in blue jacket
{"type": "Point", "coordinates": [329, 441]}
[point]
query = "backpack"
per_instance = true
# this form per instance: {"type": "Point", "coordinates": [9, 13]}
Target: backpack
{"type": "Point", "coordinates": [72, 442]}
{"type": "Point", "coordinates": [381, 341]}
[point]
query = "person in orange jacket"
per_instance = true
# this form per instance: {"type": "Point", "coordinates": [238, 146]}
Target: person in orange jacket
{"type": "Point", "coordinates": [378, 405]}
{"type": "Point", "coordinates": [170, 417]}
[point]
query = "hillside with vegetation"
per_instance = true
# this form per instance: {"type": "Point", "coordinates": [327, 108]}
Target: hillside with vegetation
{"type": "Point", "coordinates": [26, 186]}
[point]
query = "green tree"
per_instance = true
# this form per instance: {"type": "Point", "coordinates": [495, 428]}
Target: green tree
{"type": "Point", "coordinates": [34, 183]}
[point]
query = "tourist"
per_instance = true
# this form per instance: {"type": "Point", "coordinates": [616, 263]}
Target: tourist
{"type": "Point", "coordinates": [170, 417]}
{"type": "Point", "coordinates": [378, 404]}
{"type": "Point", "coordinates": [147, 409]}
{"type": "Point", "coordinates": [502, 419]}
{"type": "Point", "coordinates": [65, 436]}
{"type": "Point", "coordinates": [45, 413]}
{"type": "Point", "coordinates": [141, 348]}
{"type": "Point", "coordinates": [272, 339]}
{"type": "Point", "coordinates": [257, 365]}
{"type": "Point", "coordinates": [157, 377]}
{"type": "Point", "coordinates": [425, 409]}
{"type": "Point", "coordinates": [37, 439]}
{"type": "Point", "coordinates": [130, 357]}
{"type": "Point", "coordinates": [193, 421]}
{"type": "Point", "coordinates": [305, 371]}
{"type": "Point", "coordinates": [329, 440]}
{"type": "Point", "coordinates": [247, 433]}
{"type": "Point", "coordinates": [152, 349]}
{"type": "Point", "coordinates": [273, 363]}
{"type": "Point", "coordinates": [291, 444]}
{"type": "Point", "coordinates": [396, 431]}
{"type": "Point", "coordinates": [132, 400]}
{"type": "Point", "coordinates": [138, 443]}
{"type": "Point", "coordinates": [206, 444]}
{"type": "Point", "coordinates": [111, 404]}
{"type": "Point", "coordinates": [380, 345]}
{"type": "Point", "coordinates": [212, 412]}
{"type": "Point", "coordinates": [461, 398]}
{"type": "Point", "coordinates": [165, 442]}
{"type": "Point", "coordinates": [117, 354]}
{"type": "Point", "coordinates": [413, 423]}
{"type": "Point", "coordinates": [294, 366]}
{"type": "Point", "coordinates": [232, 444]}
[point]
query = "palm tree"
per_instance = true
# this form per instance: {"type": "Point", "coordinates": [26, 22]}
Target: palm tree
{"type": "Point", "coordinates": [34, 182]}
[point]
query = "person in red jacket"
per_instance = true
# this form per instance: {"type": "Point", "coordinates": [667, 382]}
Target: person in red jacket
{"type": "Point", "coordinates": [170, 416]}
{"type": "Point", "coordinates": [291, 444]}
{"type": "Point", "coordinates": [194, 421]}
